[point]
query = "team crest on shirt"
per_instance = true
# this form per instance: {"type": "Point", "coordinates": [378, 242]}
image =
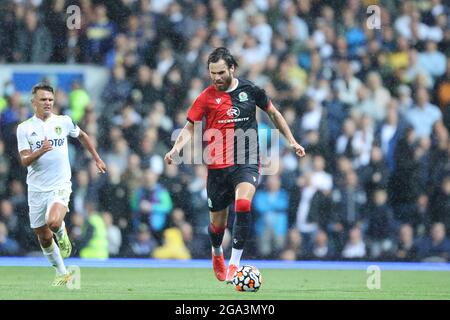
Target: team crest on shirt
{"type": "Point", "coordinates": [243, 96]}
{"type": "Point", "coordinates": [233, 112]}
{"type": "Point", "coordinates": [58, 130]}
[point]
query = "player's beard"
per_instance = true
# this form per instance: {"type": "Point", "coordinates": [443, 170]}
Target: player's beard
{"type": "Point", "coordinates": [225, 85]}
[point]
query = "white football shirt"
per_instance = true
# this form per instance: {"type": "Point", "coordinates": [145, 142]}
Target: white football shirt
{"type": "Point", "coordinates": [52, 169]}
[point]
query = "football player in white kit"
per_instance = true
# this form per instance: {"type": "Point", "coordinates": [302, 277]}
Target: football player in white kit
{"type": "Point", "coordinates": [42, 143]}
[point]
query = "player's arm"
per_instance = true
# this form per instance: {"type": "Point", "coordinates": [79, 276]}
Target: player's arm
{"type": "Point", "coordinates": [87, 143]}
{"type": "Point", "coordinates": [183, 137]}
{"type": "Point", "coordinates": [281, 124]}
{"type": "Point", "coordinates": [27, 156]}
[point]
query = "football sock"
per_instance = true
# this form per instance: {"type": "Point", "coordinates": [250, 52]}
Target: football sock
{"type": "Point", "coordinates": [60, 232]}
{"type": "Point", "coordinates": [217, 251]}
{"type": "Point", "coordinates": [54, 256]}
{"type": "Point", "coordinates": [216, 236]}
{"type": "Point", "coordinates": [236, 255]}
{"type": "Point", "coordinates": [241, 228]}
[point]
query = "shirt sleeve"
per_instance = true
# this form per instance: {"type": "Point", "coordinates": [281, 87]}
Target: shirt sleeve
{"type": "Point", "coordinates": [22, 140]}
{"type": "Point", "coordinates": [197, 110]}
{"type": "Point", "coordinates": [261, 98]}
{"type": "Point", "coordinates": [73, 129]}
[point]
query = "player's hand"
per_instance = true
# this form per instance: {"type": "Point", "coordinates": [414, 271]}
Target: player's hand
{"type": "Point", "coordinates": [169, 155]}
{"type": "Point", "coordinates": [299, 150]}
{"type": "Point", "coordinates": [101, 166]}
{"type": "Point", "coordinates": [46, 146]}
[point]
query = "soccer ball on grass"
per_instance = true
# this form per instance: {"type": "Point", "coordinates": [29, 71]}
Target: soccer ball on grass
{"type": "Point", "coordinates": [247, 278]}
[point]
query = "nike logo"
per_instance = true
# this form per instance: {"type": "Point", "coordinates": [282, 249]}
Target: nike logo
{"type": "Point", "coordinates": [218, 100]}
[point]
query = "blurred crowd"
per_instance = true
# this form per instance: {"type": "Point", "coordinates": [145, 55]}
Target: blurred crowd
{"type": "Point", "coordinates": [370, 105]}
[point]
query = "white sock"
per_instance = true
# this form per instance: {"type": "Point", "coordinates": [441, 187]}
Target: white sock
{"type": "Point", "coordinates": [59, 234]}
{"type": "Point", "coordinates": [54, 256]}
{"type": "Point", "coordinates": [217, 251]}
{"type": "Point", "coordinates": [236, 255]}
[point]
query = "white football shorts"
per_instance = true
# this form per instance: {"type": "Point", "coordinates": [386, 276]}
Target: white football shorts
{"type": "Point", "coordinates": [39, 204]}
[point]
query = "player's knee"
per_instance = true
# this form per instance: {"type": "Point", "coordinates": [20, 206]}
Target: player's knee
{"type": "Point", "coordinates": [53, 224]}
{"type": "Point", "coordinates": [217, 228]}
{"type": "Point", "coordinates": [243, 205]}
{"type": "Point", "coordinates": [45, 238]}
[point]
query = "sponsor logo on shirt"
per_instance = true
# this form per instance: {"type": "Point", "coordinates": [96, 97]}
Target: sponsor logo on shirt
{"type": "Point", "coordinates": [53, 143]}
{"type": "Point", "coordinates": [233, 112]}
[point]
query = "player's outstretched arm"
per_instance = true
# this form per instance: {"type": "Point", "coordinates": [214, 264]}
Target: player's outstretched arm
{"type": "Point", "coordinates": [87, 143]}
{"type": "Point", "coordinates": [281, 124]}
{"type": "Point", "coordinates": [27, 157]}
{"type": "Point", "coordinates": [185, 135]}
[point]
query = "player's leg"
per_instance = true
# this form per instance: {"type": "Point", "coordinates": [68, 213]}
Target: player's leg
{"type": "Point", "coordinates": [56, 212]}
{"type": "Point", "coordinates": [217, 228]}
{"type": "Point", "coordinates": [241, 226]}
{"type": "Point", "coordinates": [216, 231]}
{"type": "Point", "coordinates": [220, 196]}
{"type": "Point", "coordinates": [52, 253]}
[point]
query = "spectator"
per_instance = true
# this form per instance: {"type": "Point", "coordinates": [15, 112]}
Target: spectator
{"type": "Point", "coordinates": [294, 246]}
{"type": "Point", "coordinates": [132, 176]}
{"type": "Point", "coordinates": [442, 90]}
{"type": "Point", "coordinates": [114, 197]}
{"type": "Point", "coordinates": [349, 202]}
{"type": "Point", "coordinates": [423, 115]}
{"type": "Point", "coordinates": [440, 207]}
{"type": "Point", "coordinates": [375, 175]}
{"type": "Point", "coordinates": [144, 244]}
{"type": "Point", "coordinates": [113, 234]}
{"type": "Point", "coordinates": [173, 246]}
{"type": "Point", "coordinates": [8, 246]}
{"type": "Point", "coordinates": [151, 204]}
{"type": "Point", "coordinates": [9, 217]}
{"type": "Point", "coordinates": [387, 135]}
{"type": "Point", "coordinates": [406, 246]}
{"type": "Point", "coordinates": [78, 101]}
{"type": "Point", "coordinates": [271, 206]}
{"type": "Point", "coordinates": [355, 248]}
{"type": "Point", "coordinates": [380, 226]}
{"type": "Point", "coordinates": [99, 36]}
{"type": "Point", "coordinates": [80, 193]}
{"type": "Point", "coordinates": [432, 60]}
{"type": "Point", "coordinates": [116, 92]}
{"type": "Point", "coordinates": [436, 247]}
{"type": "Point", "coordinates": [321, 248]}
{"type": "Point", "coordinates": [94, 243]}
{"type": "Point", "coordinates": [404, 177]}
{"type": "Point", "coordinates": [118, 156]}
{"type": "Point", "coordinates": [34, 42]}
{"type": "Point", "coordinates": [4, 170]}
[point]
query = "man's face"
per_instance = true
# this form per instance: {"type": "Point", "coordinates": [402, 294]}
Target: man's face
{"type": "Point", "coordinates": [221, 75]}
{"type": "Point", "coordinates": [43, 103]}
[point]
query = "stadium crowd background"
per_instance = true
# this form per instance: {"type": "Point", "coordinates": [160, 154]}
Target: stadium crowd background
{"type": "Point", "coordinates": [371, 107]}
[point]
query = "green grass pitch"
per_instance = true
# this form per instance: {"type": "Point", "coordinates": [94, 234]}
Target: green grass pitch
{"type": "Point", "coordinates": [25, 283]}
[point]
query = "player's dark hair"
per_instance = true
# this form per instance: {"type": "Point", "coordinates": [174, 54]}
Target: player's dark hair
{"type": "Point", "coordinates": [224, 54]}
{"type": "Point", "coordinates": [42, 86]}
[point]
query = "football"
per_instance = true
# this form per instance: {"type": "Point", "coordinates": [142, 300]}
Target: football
{"type": "Point", "coordinates": [247, 278]}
